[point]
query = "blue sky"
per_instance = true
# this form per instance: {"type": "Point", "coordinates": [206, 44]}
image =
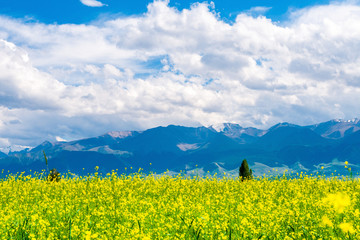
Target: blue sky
{"type": "Point", "coordinates": [76, 69]}
{"type": "Point", "coordinates": [73, 11]}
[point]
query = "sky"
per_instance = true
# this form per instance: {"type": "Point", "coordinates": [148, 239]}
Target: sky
{"type": "Point", "coordinates": [73, 69]}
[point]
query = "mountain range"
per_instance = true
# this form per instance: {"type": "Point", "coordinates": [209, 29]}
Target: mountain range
{"type": "Point", "coordinates": [322, 148]}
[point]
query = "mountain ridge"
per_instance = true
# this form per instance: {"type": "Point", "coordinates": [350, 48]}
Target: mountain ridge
{"type": "Point", "coordinates": [212, 149]}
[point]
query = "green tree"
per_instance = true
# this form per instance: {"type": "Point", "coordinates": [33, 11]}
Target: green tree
{"type": "Point", "coordinates": [54, 175]}
{"type": "Point", "coordinates": [244, 172]}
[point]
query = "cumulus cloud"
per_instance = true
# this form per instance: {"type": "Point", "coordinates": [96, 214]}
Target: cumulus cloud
{"type": "Point", "coordinates": [258, 10]}
{"type": "Point", "coordinates": [92, 3]}
{"type": "Point", "coordinates": [184, 67]}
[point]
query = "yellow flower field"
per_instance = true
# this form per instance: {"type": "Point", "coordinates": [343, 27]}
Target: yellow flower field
{"type": "Point", "coordinates": [138, 207]}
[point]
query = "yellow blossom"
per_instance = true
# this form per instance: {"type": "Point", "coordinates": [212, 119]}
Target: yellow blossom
{"type": "Point", "coordinates": [338, 201]}
{"type": "Point", "coordinates": [139, 206]}
{"type": "Point", "coordinates": [326, 221]}
{"type": "Point", "coordinates": [347, 227]}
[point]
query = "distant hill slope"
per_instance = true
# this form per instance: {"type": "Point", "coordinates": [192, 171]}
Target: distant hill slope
{"type": "Point", "coordinates": [215, 149]}
{"type": "Point", "coordinates": [2, 155]}
{"type": "Point", "coordinates": [284, 135]}
{"type": "Point", "coordinates": [336, 129]}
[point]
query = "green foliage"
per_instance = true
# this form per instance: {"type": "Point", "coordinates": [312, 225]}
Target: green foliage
{"type": "Point", "coordinates": [54, 175]}
{"type": "Point", "coordinates": [244, 172]}
{"type": "Point", "coordinates": [46, 161]}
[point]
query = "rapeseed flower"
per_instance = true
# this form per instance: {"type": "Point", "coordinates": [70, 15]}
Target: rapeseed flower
{"type": "Point", "coordinates": [163, 207]}
{"type": "Point", "coordinates": [346, 227]}
{"type": "Point", "coordinates": [326, 221]}
{"type": "Point", "coordinates": [338, 201]}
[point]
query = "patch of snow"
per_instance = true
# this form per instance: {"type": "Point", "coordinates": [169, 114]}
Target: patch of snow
{"type": "Point", "coordinates": [73, 147]}
{"type": "Point", "coordinates": [218, 127]}
{"type": "Point", "coordinates": [260, 169]}
{"type": "Point", "coordinates": [186, 146]}
{"type": "Point", "coordinates": [355, 120]}
{"type": "Point", "coordinates": [196, 172]}
{"type": "Point", "coordinates": [107, 150]}
{"type": "Point", "coordinates": [299, 167]}
{"type": "Point", "coordinates": [14, 148]}
{"type": "Point", "coordinates": [120, 134]}
{"type": "Point", "coordinates": [60, 139]}
{"type": "Point", "coordinates": [220, 168]}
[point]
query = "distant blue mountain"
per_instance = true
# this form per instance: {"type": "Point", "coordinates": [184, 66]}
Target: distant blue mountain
{"type": "Point", "coordinates": [2, 155]}
{"type": "Point", "coordinates": [336, 129]}
{"type": "Point", "coordinates": [285, 134]}
{"type": "Point", "coordinates": [202, 150]}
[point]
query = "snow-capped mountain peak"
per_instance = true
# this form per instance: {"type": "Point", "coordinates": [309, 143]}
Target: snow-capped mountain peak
{"type": "Point", "coordinates": [120, 134]}
{"type": "Point", "coordinates": [238, 133]}
{"type": "Point", "coordinates": [337, 128]}
{"type": "Point", "coordinates": [226, 127]}
{"type": "Point", "coordinates": [218, 127]}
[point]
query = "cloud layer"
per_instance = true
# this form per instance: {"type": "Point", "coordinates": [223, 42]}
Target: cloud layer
{"type": "Point", "coordinates": [184, 67]}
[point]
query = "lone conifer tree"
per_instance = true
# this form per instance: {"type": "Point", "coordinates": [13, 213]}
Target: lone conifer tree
{"type": "Point", "coordinates": [244, 172]}
{"type": "Point", "coordinates": [54, 175]}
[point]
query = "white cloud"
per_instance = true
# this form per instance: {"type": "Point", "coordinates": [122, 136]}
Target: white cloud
{"type": "Point", "coordinates": [177, 67]}
{"type": "Point", "coordinates": [22, 85]}
{"type": "Point", "coordinates": [258, 10]}
{"type": "Point", "coordinates": [92, 3]}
